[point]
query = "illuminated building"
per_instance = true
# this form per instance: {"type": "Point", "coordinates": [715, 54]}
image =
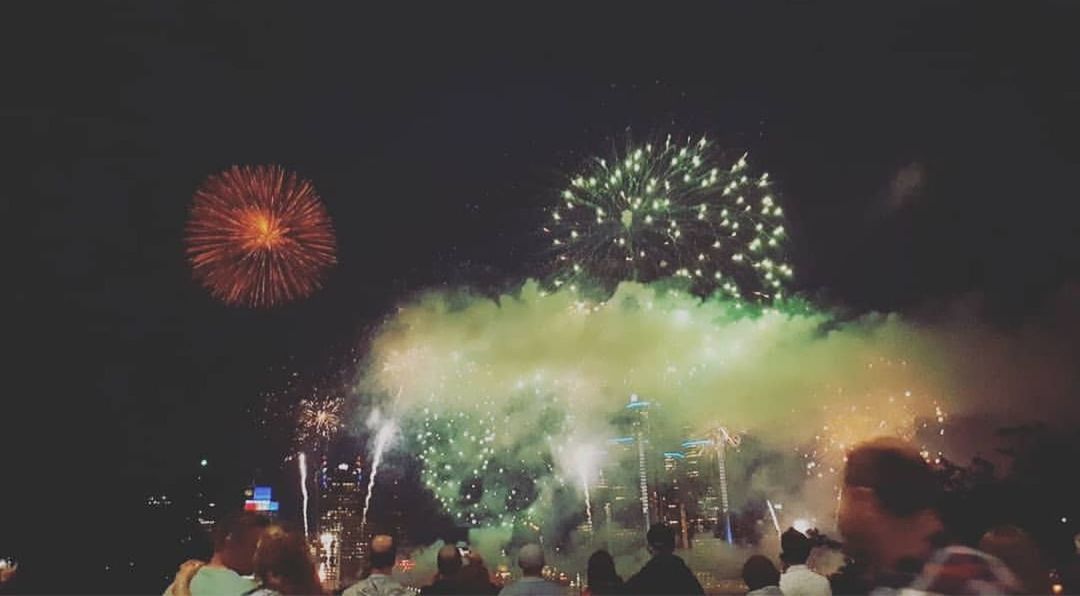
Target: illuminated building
{"type": "Point", "coordinates": [341, 496]}
{"type": "Point", "coordinates": [260, 499]}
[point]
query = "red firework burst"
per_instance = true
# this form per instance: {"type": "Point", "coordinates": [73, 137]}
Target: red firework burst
{"type": "Point", "coordinates": [259, 236]}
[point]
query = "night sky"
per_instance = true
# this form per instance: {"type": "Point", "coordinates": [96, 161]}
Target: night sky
{"type": "Point", "coordinates": [924, 153]}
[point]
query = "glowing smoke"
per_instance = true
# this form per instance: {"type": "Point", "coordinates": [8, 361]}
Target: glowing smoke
{"type": "Point", "coordinates": [493, 394]}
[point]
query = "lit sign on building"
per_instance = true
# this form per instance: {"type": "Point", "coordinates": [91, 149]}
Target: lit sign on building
{"type": "Point", "coordinates": [263, 500]}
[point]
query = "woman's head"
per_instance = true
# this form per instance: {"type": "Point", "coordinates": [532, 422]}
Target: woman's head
{"type": "Point", "coordinates": [283, 562]}
{"type": "Point", "coordinates": [601, 569]}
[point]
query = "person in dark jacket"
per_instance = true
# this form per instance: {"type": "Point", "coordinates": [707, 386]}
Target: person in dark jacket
{"type": "Point", "coordinates": [665, 573]}
{"type": "Point", "coordinates": [448, 580]}
{"type": "Point", "coordinates": [602, 576]}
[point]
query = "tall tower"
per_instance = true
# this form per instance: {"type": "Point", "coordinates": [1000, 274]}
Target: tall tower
{"type": "Point", "coordinates": [341, 496]}
{"type": "Point", "coordinates": [642, 438]}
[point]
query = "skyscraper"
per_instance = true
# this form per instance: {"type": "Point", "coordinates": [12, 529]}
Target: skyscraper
{"type": "Point", "coordinates": [341, 497]}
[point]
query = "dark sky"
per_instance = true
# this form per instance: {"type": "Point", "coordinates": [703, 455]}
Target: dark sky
{"type": "Point", "coordinates": [435, 137]}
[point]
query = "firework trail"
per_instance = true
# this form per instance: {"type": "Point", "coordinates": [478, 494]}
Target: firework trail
{"type": "Point", "coordinates": [386, 432]}
{"type": "Point", "coordinates": [772, 514]}
{"type": "Point", "coordinates": [672, 210]}
{"type": "Point", "coordinates": [302, 459]}
{"type": "Point", "coordinates": [259, 236]}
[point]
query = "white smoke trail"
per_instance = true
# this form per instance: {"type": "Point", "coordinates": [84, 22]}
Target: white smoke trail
{"type": "Point", "coordinates": [386, 432]}
{"type": "Point", "coordinates": [772, 513]}
{"type": "Point", "coordinates": [302, 459]}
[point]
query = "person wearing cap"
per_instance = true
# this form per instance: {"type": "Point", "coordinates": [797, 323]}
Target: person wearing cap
{"type": "Point", "coordinates": [889, 518]}
{"type": "Point", "coordinates": [531, 561]}
{"type": "Point", "coordinates": [665, 573]}
{"type": "Point", "coordinates": [798, 579]}
{"type": "Point", "coordinates": [383, 555]}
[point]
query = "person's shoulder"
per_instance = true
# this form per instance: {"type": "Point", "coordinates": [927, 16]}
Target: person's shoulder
{"type": "Point", "coordinates": [959, 569]}
{"type": "Point", "coordinates": [355, 589]}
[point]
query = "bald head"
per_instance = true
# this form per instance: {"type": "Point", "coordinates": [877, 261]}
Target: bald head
{"type": "Point", "coordinates": [531, 559]}
{"type": "Point", "coordinates": [449, 560]}
{"type": "Point", "coordinates": [383, 553]}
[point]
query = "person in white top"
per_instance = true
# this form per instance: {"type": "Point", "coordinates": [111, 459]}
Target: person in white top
{"type": "Point", "coordinates": [798, 579]}
{"type": "Point", "coordinates": [228, 572]}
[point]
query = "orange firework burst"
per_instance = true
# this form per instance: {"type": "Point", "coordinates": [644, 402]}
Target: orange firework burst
{"type": "Point", "coordinates": [259, 236]}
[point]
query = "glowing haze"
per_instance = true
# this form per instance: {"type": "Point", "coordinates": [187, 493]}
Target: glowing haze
{"type": "Point", "coordinates": [504, 400]}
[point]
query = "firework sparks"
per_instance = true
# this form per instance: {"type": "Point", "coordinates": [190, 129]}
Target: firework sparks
{"type": "Point", "coordinates": [319, 420]}
{"type": "Point", "coordinates": [259, 236]}
{"type": "Point", "coordinates": [672, 210]}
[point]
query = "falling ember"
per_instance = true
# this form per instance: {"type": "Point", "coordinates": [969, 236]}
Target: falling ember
{"type": "Point", "coordinates": [259, 236]}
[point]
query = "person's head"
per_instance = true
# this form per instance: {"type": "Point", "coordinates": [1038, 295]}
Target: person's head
{"type": "Point", "coordinates": [235, 539]}
{"type": "Point", "coordinates": [448, 560]}
{"type": "Point", "coordinates": [531, 560]}
{"type": "Point", "coordinates": [475, 573]}
{"type": "Point", "coordinates": [759, 572]}
{"type": "Point", "coordinates": [383, 553]}
{"type": "Point", "coordinates": [661, 539]}
{"type": "Point", "coordinates": [1020, 554]}
{"type": "Point", "coordinates": [601, 569]}
{"type": "Point", "coordinates": [283, 562]}
{"type": "Point", "coordinates": [795, 547]}
{"type": "Point", "coordinates": [888, 507]}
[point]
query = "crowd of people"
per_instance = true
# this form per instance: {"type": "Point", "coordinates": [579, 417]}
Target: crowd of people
{"type": "Point", "coordinates": [894, 540]}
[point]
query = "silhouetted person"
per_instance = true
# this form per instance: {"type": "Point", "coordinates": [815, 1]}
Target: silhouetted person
{"type": "Point", "coordinates": [1020, 554]}
{"type": "Point", "coordinates": [382, 554]}
{"type": "Point", "coordinates": [665, 573]}
{"type": "Point", "coordinates": [475, 577]}
{"type": "Point", "coordinates": [446, 581]}
{"type": "Point", "coordinates": [283, 564]}
{"type": "Point", "coordinates": [531, 561]}
{"type": "Point", "coordinates": [761, 577]}
{"type": "Point", "coordinates": [235, 540]}
{"type": "Point", "coordinates": [601, 575]}
{"type": "Point", "coordinates": [798, 579]}
{"type": "Point", "coordinates": [888, 516]}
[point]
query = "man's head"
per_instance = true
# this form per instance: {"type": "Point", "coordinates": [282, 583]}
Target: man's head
{"type": "Point", "coordinates": [383, 553]}
{"type": "Point", "coordinates": [888, 505]}
{"type": "Point", "coordinates": [661, 539]}
{"type": "Point", "coordinates": [759, 572]}
{"type": "Point", "coordinates": [236, 538]}
{"type": "Point", "coordinates": [531, 560]}
{"type": "Point", "coordinates": [795, 547]}
{"type": "Point", "coordinates": [448, 560]}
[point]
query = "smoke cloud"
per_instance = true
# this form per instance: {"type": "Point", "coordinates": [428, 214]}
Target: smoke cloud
{"type": "Point", "coordinates": [512, 402]}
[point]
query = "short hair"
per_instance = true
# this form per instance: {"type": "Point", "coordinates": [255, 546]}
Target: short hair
{"type": "Point", "coordinates": [759, 572]}
{"type": "Point", "coordinates": [383, 551]}
{"type": "Point", "coordinates": [661, 537]}
{"type": "Point", "coordinates": [448, 560]}
{"type": "Point", "coordinates": [531, 557]}
{"type": "Point", "coordinates": [795, 547]}
{"type": "Point", "coordinates": [901, 479]}
{"type": "Point", "coordinates": [236, 524]}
